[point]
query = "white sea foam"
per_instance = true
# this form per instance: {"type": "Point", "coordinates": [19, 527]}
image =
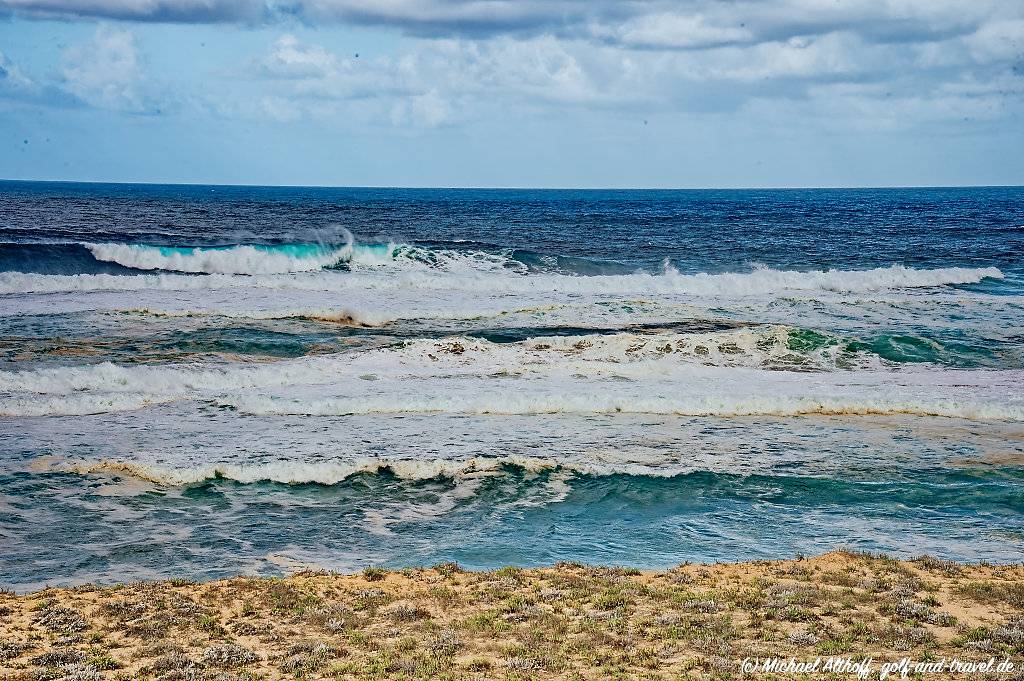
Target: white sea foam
{"type": "Point", "coordinates": [682, 400]}
{"type": "Point", "coordinates": [79, 404]}
{"type": "Point", "coordinates": [397, 257]}
{"type": "Point", "coordinates": [758, 282]}
{"type": "Point", "coordinates": [343, 315]}
{"type": "Point", "coordinates": [107, 377]}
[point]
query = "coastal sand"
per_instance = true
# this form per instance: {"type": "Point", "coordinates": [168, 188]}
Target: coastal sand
{"type": "Point", "coordinates": [564, 622]}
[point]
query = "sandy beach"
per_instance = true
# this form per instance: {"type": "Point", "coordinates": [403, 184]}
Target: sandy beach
{"type": "Point", "coordinates": [564, 622]}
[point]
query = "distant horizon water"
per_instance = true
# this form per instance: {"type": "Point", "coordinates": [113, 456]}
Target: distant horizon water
{"type": "Point", "coordinates": [257, 185]}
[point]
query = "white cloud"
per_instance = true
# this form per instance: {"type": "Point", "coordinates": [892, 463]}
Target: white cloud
{"type": "Point", "coordinates": [11, 76]}
{"type": "Point", "coordinates": [834, 56]}
{"type": "Point", "coordinates": [997, 40]}
{"type": "Point", "coordinates": [427, 110]}
{"type": "Point", "coordinates": [105, 71]}
{"type": "Point", "coordinates": [16, 86]}
{"type": "Point", "coordinates": [280, 109]}
{"type": "Point", "coordinates": [289, 59]}
{"type": "Point", "coordinates": [673, 30]}
{"type": "Point", "coordinates": [435, 82]}
{"type": "Point", "coordinates": [424, 87]}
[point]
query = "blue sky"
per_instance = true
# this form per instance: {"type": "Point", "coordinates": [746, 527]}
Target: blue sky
{"type": "Point", "coordinates": [562, 93]}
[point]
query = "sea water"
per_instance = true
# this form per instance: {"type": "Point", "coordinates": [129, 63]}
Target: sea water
{"type": "Point", "coordinates": [200, 381]}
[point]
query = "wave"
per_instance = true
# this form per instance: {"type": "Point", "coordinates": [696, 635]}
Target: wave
{"type": "Point", "coordinates": [504, 282]}
{"type": "Point", "coordinates": [637, 355]}
{"type": "Point", "coordinates": [319, 252]}
{"type": "Point", "coordinates": [297, 257]}
{"type": "Point", "coordinates": [759, 371]}
{"type": "Point", "coordinates": [79, 405]}
{"type": "Point", "coordinates": [241, 259]}
{"type": "Point", "coordinates": [337, 469]}
{"type": "Point", "coordinates": [107, 377]}
{"type": "Point", "coordinates": [323, 472]}
{"type": "Point", "coordinates": [398, 257]}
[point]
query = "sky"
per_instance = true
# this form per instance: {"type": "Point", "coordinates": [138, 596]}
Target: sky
{"type": "Point", "coordinates": [514, 93]}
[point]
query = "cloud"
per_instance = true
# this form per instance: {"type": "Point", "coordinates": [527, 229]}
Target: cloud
{"type": "Point", "coordinates": [303, 80]}
{"type": "Point", "coordinates": [834, 76]}
{"type": "Point", "coordinates": [674, 31]}
{"type": "Point", "coordinates": [428, 110]}
{"type": "Point", "coordinates": [998, 40]}
{"type": "Point", "coordinates": [475, 18]}
{"type": "Point", "coordinates": [495, 59]}
{"type": "Point", "coordinates": [647, 24]}
{"type": "Point", "coordinates": [170, 11]}
{"type": "Point", "coordinates": [289, 59]}
{"type": "Point", "coordinates": [427, 86]}
{"type": "Point", "coordinates": [311, 71]}
{"type": "Point", "coordinates": [105, 72]}
{"type": "Point", "coordinates": [430, 17]}
{"type": "Point", "coordinates": [15, 86]}
{"type": "Point", "coordinates": [11, 76]}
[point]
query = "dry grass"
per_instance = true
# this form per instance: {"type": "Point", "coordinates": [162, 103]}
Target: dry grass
{"type": "Point", "coordinates": [564, 622]}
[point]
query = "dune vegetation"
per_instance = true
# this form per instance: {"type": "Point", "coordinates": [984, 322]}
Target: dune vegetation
{"type": "Point", "coordinates": [568, 621]}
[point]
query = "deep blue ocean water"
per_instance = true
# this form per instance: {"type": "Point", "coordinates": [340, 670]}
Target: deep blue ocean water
{"type": "Point", "coordinates": [203, 381]}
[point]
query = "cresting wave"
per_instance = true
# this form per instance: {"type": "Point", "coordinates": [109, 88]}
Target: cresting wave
{"type": "Point", "coordinates": [256, 259]}
{"type": "Point", "coordinates": [757, 282]}
{"type": "Point", "coordinates": [242, 259]}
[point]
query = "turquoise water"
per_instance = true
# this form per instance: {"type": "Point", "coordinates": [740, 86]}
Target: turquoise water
{"type": "Point", "coordinates": [205, 381]}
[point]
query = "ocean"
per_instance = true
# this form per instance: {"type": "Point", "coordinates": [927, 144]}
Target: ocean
{"type": "Point", "coordinates": [202, 381]}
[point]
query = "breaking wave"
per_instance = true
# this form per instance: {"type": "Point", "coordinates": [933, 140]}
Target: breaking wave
{"type": "Point", "coordinates": [747, 371]}
{"type": "Point", "coordinates": [318, 252]}
{"type": "Point", "coordinates": [621, 354]}
{"type": "Point", "coordinates": [241, 259]}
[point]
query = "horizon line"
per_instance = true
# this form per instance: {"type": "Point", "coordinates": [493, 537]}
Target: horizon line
{"type": "Point", "coordinates": [513, 187]}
